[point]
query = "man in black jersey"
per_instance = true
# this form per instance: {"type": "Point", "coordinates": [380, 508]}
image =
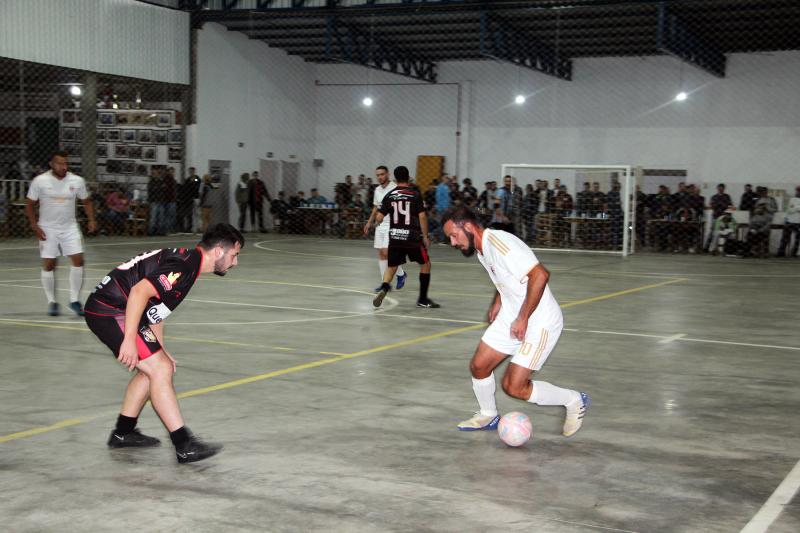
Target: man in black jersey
{"type": "Point", "coordinates": [408, 236]}
{"type": "Point", "coordinates": [126, 312]}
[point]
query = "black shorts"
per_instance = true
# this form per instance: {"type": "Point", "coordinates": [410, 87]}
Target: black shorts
{"type": "Point", "coordinates": [398, 254]}
{"type": "Point", "coordinates": [110, 329]}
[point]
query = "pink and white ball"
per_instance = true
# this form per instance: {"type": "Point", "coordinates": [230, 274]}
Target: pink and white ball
{"type": "Point", "coordinates": [515, 428]}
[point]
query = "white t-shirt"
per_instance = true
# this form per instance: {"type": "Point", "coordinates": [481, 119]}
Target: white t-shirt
{"type": "Point", "coordinates": [56, 197]}
{"type": "Point", "coordinates": [377, 200]}
{"type": "Point", "coordinates": [508, 261]}
{"type": "Point", "coordinates": [793, 211]}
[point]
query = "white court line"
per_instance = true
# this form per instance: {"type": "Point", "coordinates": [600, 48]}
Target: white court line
{"type": "Point", "coordinates": [436, 319]}
{"type": "Point", "coordinates": [777, 347]}
{"type": "Point", "coordinates": [697, 275]}
{"type": "Point", "coordinates": [137, 243]}
{"type": "Point", "coordinates": [772, 508]}
{"type": "Point", "coordinates": [667, 340]}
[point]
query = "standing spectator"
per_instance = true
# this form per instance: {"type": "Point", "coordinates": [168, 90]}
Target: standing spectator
{"type": "Point", "coordinates": [562, 207]}
{"type": "Point", "coordinates": [117, 210]}
{"type": "Point", "coordinates": [429, 196]}
{"type": "Point", "coordinates": [720, 202]}
{"type": "Point", "coordinates": [256, 195]}
{"type": "Point", "coordinates": [596, 200]}
{"type": "Point", "coordinates": [582, 200]}
{"type": "Point", "coordinates": [511, 204]}
{"type": "Point", "coordinates": [614, 209]}
{"type": "Point", "coordinates": [641, 214]}
{"type": "Point", "coordinates": [187, 192]}
{"type": "Point", "coordinates": [681, 197]}
{"type": "Point", "coordinates": [749, 199]}
{"type": "Point", "coordinates": [791, 226]}
{"type": "Point", "coordinates": [530, 205]}
{"type": "Point", "coordinates": [205, 202]}
{"type": "Point", "coordinates": [157, 198]}
{"type": "Point", "coordinates": [468, 190]}
{"type": "Point", "coordinates": [171, 197]}
{"type": "Point", "coordinates": [443, 195]}
{"type": "Point", "coordinates": [760, 221]}
{"type": "Point", "coordinates": [242, 197]}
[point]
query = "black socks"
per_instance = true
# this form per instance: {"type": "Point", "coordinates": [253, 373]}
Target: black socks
{"type": "Point", "coordinates": [386, 287]}
{"type": "Point", "coordinates": [125, 424]}
{"type": "Point", "coordinates": [424, 283]}
{"type": "Point", "coordinates": [179, 436]}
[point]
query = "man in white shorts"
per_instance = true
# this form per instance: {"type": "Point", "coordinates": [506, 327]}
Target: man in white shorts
{"type": "Point", "coordinates": [525, 322]}
{"type": "Point", "coordinates": [385, 185]}
{"type": "Point", "coordinates": [57, 229]}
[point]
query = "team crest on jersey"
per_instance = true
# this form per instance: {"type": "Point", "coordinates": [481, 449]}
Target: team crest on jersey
{"type": "Point", "coordinates": [148, 334]}
{"type": "Point", "coordinates": [168, 280]}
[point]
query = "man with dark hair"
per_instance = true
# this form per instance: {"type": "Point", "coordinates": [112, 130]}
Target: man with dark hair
{"type": "Point", "coordinates": [258, 193]}
{"type": "Point", "coordinates": [408, 236]}
{"type": "Point", "coordinates": [187, 192]}
{"type": "Point", "coordinates": [56, 228]}
{"type": "Point", "coordinates": [720, 202]}
{"type": "Point", "coordinates": [381, 241]}
{"type": "Point", "coordinates": [525, 322]}
{"type": "Point", "coordinates": [749, 198]}
{"type": "Point", "coordinates": [126, 312]}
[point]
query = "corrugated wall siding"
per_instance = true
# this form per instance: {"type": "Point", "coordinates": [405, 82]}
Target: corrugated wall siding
{"type": "Point", "coordinates": [121, 37]}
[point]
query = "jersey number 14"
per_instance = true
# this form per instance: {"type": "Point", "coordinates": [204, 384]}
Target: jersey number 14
{"type": "Point", "coordinates": [401, 208]}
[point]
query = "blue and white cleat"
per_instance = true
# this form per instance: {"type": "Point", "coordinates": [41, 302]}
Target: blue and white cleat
{"type": "Point", "coordinates": [479, 422]}
{"type": "Point", "coordinates": [575, 412]}
{"type": "Point", "coordinates": [401, 280]}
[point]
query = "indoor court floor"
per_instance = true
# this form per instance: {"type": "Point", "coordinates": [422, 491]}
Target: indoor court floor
{"type": "Point", "coordinates": [339, 417]}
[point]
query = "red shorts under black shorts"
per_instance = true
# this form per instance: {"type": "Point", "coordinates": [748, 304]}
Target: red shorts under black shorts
{"type": "Point", "coordinates": [111, 330]}
{"type": "Point", "coordinates": [398, 254]}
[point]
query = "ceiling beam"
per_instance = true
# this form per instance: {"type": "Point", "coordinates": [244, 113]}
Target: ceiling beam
{"type": "Point", "coordinates": [677, 39]}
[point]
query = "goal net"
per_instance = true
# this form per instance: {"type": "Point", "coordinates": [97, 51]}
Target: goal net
{"type": "Point", "coordinates": [567, 207]}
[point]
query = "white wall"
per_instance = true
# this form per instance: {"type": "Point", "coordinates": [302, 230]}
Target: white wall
{"type": "Point", "coordinates": [121, 37]}
{"type": "Point", "coordinates": [743, 128]}
{"type": "Point", "coordinates": [253, 94]}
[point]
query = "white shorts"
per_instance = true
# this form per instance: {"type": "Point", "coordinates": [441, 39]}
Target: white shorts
{"type": "Point", "coordinates": [60, 241]}
{"type": "Point", "coordinates": [533, 352]}
{"type": "Point", "coordinates": [381, 237]}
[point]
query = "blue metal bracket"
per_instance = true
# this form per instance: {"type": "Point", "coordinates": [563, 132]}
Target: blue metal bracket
{"type": "Point", "coordinates": [349, 44]}
{"type": "Point", "coordinates": [499, 40]}
{"type": "Point", "coordinates": [676, 39]}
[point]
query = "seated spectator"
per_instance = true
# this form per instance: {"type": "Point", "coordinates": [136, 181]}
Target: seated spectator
{"type": "Point", "coordinates": [316, 198]}
{"type": "Point", "coordinates": [723, 236]}
{"type": "Point", "coordinates": [760, 221]}
{"type": "Point", "coordinates": [281, 211]}
{"type": "Point", "coordinates": [685, 235]}
{"type": "Point", "coordinates": [118, 210]}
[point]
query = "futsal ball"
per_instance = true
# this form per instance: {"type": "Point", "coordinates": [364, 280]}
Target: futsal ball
{"type": "Point", "coordinates": [515, 428]}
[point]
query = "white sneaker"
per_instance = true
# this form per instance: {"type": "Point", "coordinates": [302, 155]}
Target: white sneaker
{"type": "Point", "coordinates": [575, 412]}
{"type": "Point", "coordinates": [479, 422]}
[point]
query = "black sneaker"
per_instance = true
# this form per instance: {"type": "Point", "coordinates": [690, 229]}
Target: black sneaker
{"type": "Point", "coordinates": [428, 304]}
{"type": "Point", "coordinates": [134, 439]}
{"type": "Point", "coordinates": [196, 450]}
{"type": "Point", "coordinates": [77, 307]}
{"type": "Point", "coordinates": [379, 298]}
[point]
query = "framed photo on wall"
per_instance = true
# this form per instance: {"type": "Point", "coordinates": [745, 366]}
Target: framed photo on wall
{"type": "Point", "coordinates": [174, 154]}
{"type": "Point", "coordinates": [175, 136]}
{"type": "Point", "coordinates": [164, 120]}
{"type": "Point", "coordinates": [100, 135]}
{"type": "Point", "coordinates": [69, 116]}
{"type": "Point", "coordinates": [144, 136]}
{"type": "Point", "coordinates": [122, 119]}
{"type": "Point", "coordinates": [141, 169]}
{"type": "Point", "coordinates": [129, 136]}
{"type": "Point", "coordinates": [113, 166]}
{"type": "Point", "coordinates": [149, 153]}
{"type": "Point", "coordinates": [106, 119]}
{"type": "Point", "coordinates": [102, 151]}
{"type": "Point", "coordinates": [127, 166]}
{"type": "Point", "coordinates": [135, 119]}
{"type": "Point", "coordinates": [120, 150]}
{"type": "Point", "coordinates": [135, 152]}
{"type": "Point", "coordinates": [160, 136]}
{"type": "Point", "coordinates": [150, 119]}
{"type": "Point", "coordinates": [112, 135]}
{"type": "Point", "coordinates": [68, 133]}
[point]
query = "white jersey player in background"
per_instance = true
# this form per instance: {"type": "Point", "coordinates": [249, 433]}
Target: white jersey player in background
{"type": "Point", "coordinates": [525, 322]}
{"type": "Point", "coordinates": [385, 185]}
{"type": "Point", "coordinates": [57, 229]}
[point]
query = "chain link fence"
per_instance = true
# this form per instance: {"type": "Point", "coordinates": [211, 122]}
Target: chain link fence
{"type": "Point", "coordinates": [501, 84]}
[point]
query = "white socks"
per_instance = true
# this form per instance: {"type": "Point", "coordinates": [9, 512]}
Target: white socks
{"type": "Point", "coordinates": [546, 394]}
{"type": "Point", "coordinates": [484, 392]}
{"type": "Point", "coordinates": [75, 283]}
{"type": "Point", "coordinates": [400, 271]}
{"type": "Point", "coordinates": [49, 284]}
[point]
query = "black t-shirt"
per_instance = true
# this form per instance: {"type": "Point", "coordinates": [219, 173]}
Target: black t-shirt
{"type": "Point", "coordinates": [403, 205]}
{"type": "Point", "coordinates": [171, 271]}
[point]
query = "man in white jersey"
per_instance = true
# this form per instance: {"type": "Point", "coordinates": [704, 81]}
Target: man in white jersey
{"type": "Point", "coordinates": [525, 322]}
{"type": "Point", "coordinates": [57, 229]}
{"type": "Point", "coordinates": [385, 185]}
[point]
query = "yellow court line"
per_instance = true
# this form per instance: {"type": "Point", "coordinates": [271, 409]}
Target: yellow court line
{"type": "Point", "coordinates": [312, 364]}
{"type": "Point", "coordinates": [621, 293]}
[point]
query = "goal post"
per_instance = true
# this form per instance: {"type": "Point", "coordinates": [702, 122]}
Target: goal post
{"type": "Point", "coordinates": [598, 220]}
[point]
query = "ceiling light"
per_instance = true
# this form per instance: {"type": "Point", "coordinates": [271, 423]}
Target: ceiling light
{"type": "Point", "coordinates": [681, 96]}
{"type": "Point", "coordinates": [75, 90]}
{"type": "Point", "coordinates": [519, 100]}
{"type": "Point", "coordinates": [367, 101]}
